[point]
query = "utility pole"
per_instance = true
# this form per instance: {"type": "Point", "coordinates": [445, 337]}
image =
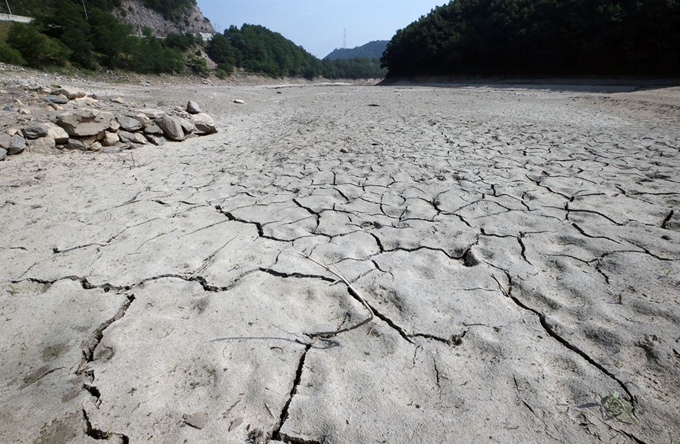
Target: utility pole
{"type": "Point", "coordinates": [85, 9]}
{"type": "Point", "coordinates": [8, 9]}
{"type": "Point", "coordinates": [344, 40]}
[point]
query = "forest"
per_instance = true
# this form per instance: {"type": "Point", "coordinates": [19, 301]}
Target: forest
{"type": "Point", "coordinates": [64, 35]}
{"type": "Point", "coordinates": [540, 37]}
{"type": "Point", "coordinates": [256, 49]}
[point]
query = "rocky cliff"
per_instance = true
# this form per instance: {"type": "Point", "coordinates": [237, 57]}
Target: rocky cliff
{"type": "Point", "coordinates": [138, 15]}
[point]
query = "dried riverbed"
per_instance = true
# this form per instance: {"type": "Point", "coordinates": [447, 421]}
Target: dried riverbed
{"type": "Point", "coordinates": [519, 246]}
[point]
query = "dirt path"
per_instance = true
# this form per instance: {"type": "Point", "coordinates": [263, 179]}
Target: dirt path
{"type": "Point", "coordinates": [520, 248]}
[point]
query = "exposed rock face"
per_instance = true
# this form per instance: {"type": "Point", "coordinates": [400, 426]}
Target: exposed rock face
{"type": "Point", "coordinates": [140, 16]}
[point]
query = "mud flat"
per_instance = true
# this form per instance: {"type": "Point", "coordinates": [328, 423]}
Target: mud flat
{"type": "Point", "coordinates": [518, 246]}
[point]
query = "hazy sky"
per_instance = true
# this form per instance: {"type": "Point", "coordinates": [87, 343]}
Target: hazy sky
{"type": "Point", "coordinates": [318, 25]}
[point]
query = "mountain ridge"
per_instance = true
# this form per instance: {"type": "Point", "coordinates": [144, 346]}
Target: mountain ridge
{"type": "Point", "coordinates": [371, 50]}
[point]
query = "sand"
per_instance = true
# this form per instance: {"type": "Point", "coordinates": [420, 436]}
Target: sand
{"type": "Point", "coordinates": [519, 246]}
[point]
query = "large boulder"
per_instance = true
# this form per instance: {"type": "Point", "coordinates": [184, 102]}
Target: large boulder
{"type": "Point", "coordinates": [171, 126]}
{"type": "Point", "coordinates": [35, 131]}
{"type": "Point", "coordinates": [84, 122]}
{"type": "Point", "coordinates": [129, 123]}
{"type": "Point", "coordinates": [204, 124]}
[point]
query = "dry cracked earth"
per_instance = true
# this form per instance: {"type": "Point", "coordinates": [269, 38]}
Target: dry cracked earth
{"type": "Point", "coordinates": [519, 247]}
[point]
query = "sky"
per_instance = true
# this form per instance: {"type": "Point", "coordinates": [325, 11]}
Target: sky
{"type": "Point", "coordinates": [319, 25]}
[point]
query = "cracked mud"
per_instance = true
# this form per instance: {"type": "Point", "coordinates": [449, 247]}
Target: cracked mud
{"type": "Point", "coordinates": [519, 247]}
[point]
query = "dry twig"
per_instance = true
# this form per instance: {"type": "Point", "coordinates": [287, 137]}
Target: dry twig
{"type": "Point", "coordinates": [339, 275]}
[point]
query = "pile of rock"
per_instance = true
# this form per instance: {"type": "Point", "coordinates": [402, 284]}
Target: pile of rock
{"type": "Point", "coordinates": [94, 130]}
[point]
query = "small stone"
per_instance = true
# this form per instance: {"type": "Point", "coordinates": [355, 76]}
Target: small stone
{"type": "Point", "coordinates": [155, 140]}
{"type": "Point", "coordinates": [196, 420]}
{"type": "Point", "coordinates": [152, 128]}
{"type": "Point", "coordinates": [96, 146]}
{"type": "Point", "coordinates": [187, 126]}
{"type": "Point", "coordinates": [75, 144]}
{"type": "Point", "coordinates": [126, 136]}
{"type": "Point", "coordinates": [129, 124]}
{"type": "Point", "coordinates": [56, 132]}
{"type": "Point", "coordinates": [35, 131]}
{"type": "Point", "coordinates": [3, 153]}
{"type": "Point", "coordinates": [5, 140]}
{"type": "Point", "coordinates": [118, 100]}
{"type": "Point", "coordinates": [239, 101]}
{"type": "Point", "coordinates": [12, 131]}
{"type": "Point", "coordinates": [70, 93]}
{"type": "Point", "coordinates": [44, 145]}
{"type": "Point", "coordinates": [16, 145]}
{"type": "Point", "coordinates": [110, 139]}
{"type": "Point", "coordinates": [9, 109]}
{"type": "Point", "coordinates": [193, 107]}
{"type": "Point", "coordinates": [24, 111]}
{"type": "Point", "coordinates": [114, 126]}
{"type": "Point", "coordinates": [151, 113]}
{"type": "Point", "coordinates": [59, 100]}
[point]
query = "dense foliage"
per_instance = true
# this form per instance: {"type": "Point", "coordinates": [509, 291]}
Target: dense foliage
{"type": "Point", "coordinates": [65, 37]}
{"type": "Point", "coordinates": [371, 50]}
{"type": "Point", "coordinates": [559, 37]}
{"type": "Point", "coordinates": [257, 49]}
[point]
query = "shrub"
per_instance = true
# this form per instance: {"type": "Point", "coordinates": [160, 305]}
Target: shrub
{"type": "Point", "coordinates": [10, 55]}
{"type": "Point", "coordinates": [37, 49]}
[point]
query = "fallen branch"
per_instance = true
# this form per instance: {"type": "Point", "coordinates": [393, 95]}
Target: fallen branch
{"type": "Point", "coordinates": [328, 334]}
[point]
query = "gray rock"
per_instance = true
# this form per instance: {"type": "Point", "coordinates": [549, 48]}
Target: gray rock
{"type": "Point", "coordinates": [57, 100]}
{"type": "Point", "coordinates": [152, 128]}
{"type": "Point", "coordinates": [3, 153]}
{"type": "Point", "coordinates": [44, 145]}
{"type": "Point", "coordinates": [110, 139]}
{"type": "Point", "coordinates": [5, 140]}
{"type": "Point", "coordinates": [74, 144]}
{"type": "Point", "coordinates": [10, 109]}
{"type": "Point", "coordinates": [171, 126]}
{"type": "Point", "coordinates": [56, 132]}
{"type": "Point", "coordinates": [126, 136]}
{"type": "Point", "coordinates": [193, 107]}
{"type": "Point", "coordinates": [196, 420]}
{"type": "Point", "coordinates": [85, 122]}
{"type": "Point", "coordinates": [129, 124]}
{"type": "Point", "coordinates": [35, 131]}
{"type": "Point", "coordinates": [204, 124]}
{"type": "Point", "coordinates": [151, 113]}
{"type": "Point", "coordinates": [155, 140]}
{"type": "Point", "coordinates": [70, 93]}
{"type": "Point", "coordinates": [17, 145]}
{"type": "Point", "coordinates": [187, 126]}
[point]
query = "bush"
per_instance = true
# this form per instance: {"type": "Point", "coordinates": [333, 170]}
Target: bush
{"type": "Point", "coordinates": [10, 55]}
{"type": "Point", "coordinates": [37, 49]}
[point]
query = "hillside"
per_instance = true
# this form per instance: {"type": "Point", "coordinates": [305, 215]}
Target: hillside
{"type": "Point", "coordinates": [161, 16]}
{"type": "Point", "coordinates": [371, 50]}
{"type": "Point", "coordinates": [539, 37]}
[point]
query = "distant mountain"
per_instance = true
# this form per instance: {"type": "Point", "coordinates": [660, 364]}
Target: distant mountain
{"type": "Point", "coordinates": [371, 50]}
